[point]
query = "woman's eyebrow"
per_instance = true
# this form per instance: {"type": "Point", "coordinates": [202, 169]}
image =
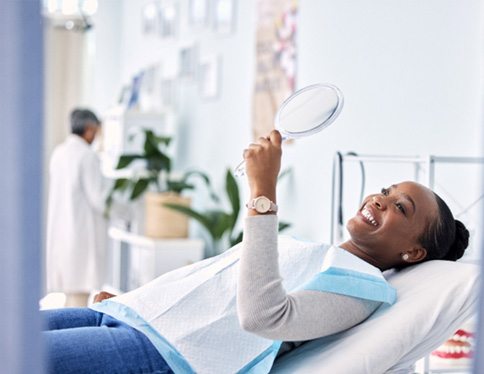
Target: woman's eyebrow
{"type": "Point", "coordinates": [406, 196]}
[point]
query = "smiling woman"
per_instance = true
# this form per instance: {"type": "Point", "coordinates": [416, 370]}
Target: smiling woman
{"type": "Point", "coordinates": [326, 289]}
{"type": "Point", "coordinates": [403, 225]}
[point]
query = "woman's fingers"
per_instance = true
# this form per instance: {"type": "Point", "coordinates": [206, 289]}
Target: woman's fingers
{"type": "Point", "coordinates": [103, 295]}
{"type": "Point", "coordinates": [275, 137]}
{"type": "Point", "coordinates": [253, 148]}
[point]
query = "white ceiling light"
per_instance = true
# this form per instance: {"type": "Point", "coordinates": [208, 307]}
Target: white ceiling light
{"type": "Point", "coordinates": [70, 7]}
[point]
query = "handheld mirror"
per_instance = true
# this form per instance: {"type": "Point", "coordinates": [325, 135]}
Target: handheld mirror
{"type": "Point", "coordinates": [306, 112]}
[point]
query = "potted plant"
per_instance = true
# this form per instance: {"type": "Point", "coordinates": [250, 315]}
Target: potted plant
{"type": "Point", "coordinates": [219, 223]}
{"type": "Point", "coordinates": [159, 186]}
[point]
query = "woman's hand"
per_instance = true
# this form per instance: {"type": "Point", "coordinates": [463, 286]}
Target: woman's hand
{"type": "Point", "coordinates": [262, 165]}
{"type": "Point", "coordinates": [103, 295]}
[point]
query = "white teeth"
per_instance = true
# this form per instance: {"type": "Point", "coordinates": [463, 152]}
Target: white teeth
{"type": "Point", "coordinates": [368, 215]}
{"type": "Point", "coordinates": [462, 338]}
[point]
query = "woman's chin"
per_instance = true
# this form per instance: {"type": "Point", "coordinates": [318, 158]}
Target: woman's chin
{"type": "Point", "coordinates": [357, 227]}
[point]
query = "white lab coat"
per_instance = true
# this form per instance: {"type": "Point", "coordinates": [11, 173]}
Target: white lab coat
{"type": "Point", "coordinates": [76, 228]}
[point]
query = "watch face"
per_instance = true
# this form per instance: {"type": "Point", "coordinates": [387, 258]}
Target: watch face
{"type": "Point", "coordinates": [262, 204]}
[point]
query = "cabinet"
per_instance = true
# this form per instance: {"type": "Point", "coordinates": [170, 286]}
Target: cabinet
{"type": "Point", "coordinates": [137, 259]}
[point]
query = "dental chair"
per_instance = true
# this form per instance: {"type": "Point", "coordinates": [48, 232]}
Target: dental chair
{"type": "Point", "coordinates": [434, 300]}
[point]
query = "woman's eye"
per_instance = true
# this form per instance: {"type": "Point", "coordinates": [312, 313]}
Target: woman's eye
{"type": "Point", "coordinates": [384, 191]}
{"type": "Point", "coordinates": [400, 207]}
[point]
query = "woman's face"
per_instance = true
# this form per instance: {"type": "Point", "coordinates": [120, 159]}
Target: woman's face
{"type": "Point", "coordinates": [389, 224]}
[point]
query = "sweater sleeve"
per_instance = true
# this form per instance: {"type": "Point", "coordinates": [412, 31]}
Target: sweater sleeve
{"type": "Point", "coordinates": [264, 307]}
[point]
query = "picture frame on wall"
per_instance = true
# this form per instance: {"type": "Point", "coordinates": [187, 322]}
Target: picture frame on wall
{"type": "Point", "coordinates": [188, 62]}
{"type": "Point", "coordinates": [168, 92]}
{"type": "Point", "coordinates": [224, 16]}
{"type": "Point", "coordinates": [209, 77]}
{"type": "Point", "coordinates": [150, 90]}
{"type": "Point", "coordinates": [150, 19]}
{"type": "Point", "coordinates": [168, 16]}
{"type": "Point", "coordinates": [198, 13]}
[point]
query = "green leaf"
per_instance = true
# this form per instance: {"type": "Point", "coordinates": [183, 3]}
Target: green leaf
{"type": "Point", "coordinates": [158, 162]}
{"type": "Point", "coordinates": [216, 222]}
{"type": "Point", "coordinates": [108, 204]}
{"type": "Point", "coordinates": [121, 184]}
{"type": "Point", "coordinates": [179, 186]}
{"type": "Point", "coordinates": [237, 239]}
{"type": "Point", "coordinates": [139, 187]}
{"type": "Point", "coordinates": [151, 145]}
{"type": "Point", "coordinates": [125, 160]}
{"type": "Point", "coordinates": [220, 222]}
{"type": "Point", "coordinates": [206, 179]}
{"type": "Point", "coordinates": [191, 213]}
{"type": "Point", "coordinates": [154, 179]}
{"type": "Point", "coordinates": [233, 193]}
{"type": "Point", "coordinates": [283, 226]}
{"type": "Point", "coordinates": [163, 140]}
{"type": "Point", "coordinates": [153, 142]}
{"type": "Point", "coordinates": [285, 172]}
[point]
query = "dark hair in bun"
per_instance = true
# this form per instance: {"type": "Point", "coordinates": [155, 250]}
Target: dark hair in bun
{"type": "Point", "coordinates": [446, 238]}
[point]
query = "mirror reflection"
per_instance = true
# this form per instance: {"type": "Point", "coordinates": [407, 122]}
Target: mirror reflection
{"type": "Point", "coordinates": [309, 110]}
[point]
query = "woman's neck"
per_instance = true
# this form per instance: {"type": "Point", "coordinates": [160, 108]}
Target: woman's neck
{"type": "Point", "coordinates": [360, 252]}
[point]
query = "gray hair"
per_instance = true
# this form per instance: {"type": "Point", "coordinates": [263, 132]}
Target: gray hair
{"type": "Point", "coordinates": [80, 119]}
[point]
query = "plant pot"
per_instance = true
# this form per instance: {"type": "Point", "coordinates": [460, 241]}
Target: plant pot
{"type": "Point", "coordinates": [162, 222]}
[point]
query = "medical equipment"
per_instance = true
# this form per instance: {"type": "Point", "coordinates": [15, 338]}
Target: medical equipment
{"type": "Point", "coordinates": [306, 112]}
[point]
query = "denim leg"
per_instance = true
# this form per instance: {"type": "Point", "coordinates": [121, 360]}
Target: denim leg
{"type": "Point", "coordinates": [65, 318]}
{"type": "Point", "coordinates": [111, 347]}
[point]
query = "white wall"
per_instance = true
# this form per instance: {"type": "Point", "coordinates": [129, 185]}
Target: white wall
{"type": "Point", "coordinates": [105, 44]}
{"type": "Point", "coordinates": [409, 70]}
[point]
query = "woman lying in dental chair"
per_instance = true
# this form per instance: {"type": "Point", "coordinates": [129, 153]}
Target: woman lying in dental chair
{"type": "Point", "coordinates": [236, 312]}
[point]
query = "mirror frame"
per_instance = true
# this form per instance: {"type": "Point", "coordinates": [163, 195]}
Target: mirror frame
{"type": "Point", "coordinates": [321, 126]}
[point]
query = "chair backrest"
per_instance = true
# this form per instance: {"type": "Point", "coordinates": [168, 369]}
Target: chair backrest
{"type": "Point", "coordinates": [434, 299]}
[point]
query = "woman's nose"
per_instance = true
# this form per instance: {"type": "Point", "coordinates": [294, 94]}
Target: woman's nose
{"type": "Point", "coordinates": [378, 202]}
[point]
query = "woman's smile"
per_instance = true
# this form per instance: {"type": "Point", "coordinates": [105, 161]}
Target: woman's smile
{"type": "Point", "coordinates": [368, 215]}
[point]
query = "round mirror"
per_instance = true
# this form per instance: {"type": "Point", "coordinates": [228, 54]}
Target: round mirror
{"type": "Point", "coordinates": [309, 110]}
{"type": "Point", "coordinates": [305, 112]}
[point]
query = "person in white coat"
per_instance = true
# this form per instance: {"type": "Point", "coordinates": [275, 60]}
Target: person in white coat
{"type": "Point", "coordinates": [76, 228]}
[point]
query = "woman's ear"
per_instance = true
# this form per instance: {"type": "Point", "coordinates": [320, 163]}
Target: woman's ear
{"type": "Point", "coordinates": [416, 254]}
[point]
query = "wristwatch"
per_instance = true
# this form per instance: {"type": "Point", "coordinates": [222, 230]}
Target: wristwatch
{"type": "Point", "coordinates": [262, 204]}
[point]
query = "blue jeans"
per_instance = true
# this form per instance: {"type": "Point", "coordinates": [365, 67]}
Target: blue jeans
{"type": "Point", "coordinates": [81, 340]}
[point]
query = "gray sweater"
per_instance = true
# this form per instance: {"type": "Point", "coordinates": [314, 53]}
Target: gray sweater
{"type": "Point", "coordinates": [264, 307]}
